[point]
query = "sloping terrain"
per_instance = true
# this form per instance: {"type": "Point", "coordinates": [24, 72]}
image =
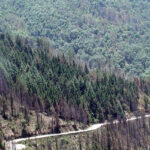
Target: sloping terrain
{"type": "Point", "coordinates": [133, 134]}
{"type": "Point", "coordinates": [34, 79]}
{"type": "Point", "coordinates": [103, 33]}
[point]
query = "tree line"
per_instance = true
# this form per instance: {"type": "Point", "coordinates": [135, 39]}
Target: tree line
{"type": "Point", "coordinates": [39, 80]}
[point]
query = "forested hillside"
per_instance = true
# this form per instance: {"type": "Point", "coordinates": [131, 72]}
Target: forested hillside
{"type": "Point", "coordinates": [34, 77]}
{"type": "Point", "coordinates": [110, 33]}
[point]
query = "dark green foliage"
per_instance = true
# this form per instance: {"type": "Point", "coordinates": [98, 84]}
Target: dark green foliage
{"type": "Point", "coordinates": [41, 81]}
{"type": "Point", "coordinates": [113, 33]}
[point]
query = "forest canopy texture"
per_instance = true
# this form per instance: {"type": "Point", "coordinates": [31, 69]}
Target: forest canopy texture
{"type": "Point", "coordinates": [36, 78]}
{"type": "Point", "coordinates": [100, 32]}
{"type": "Point", "coordinates": [33, 76]}
{"type": "Point", "coordinates": [83, 61]}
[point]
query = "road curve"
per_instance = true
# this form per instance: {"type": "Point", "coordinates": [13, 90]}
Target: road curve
{"type": "Point", "coordinates": [12, 144]}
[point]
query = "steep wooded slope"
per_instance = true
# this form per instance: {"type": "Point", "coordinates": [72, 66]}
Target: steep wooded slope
{"type": "Point", "coordinates": [41, 80]}
{"type": "Point", "coordinates": [33, 77]}
{"type": "Point", "coordinates": [99, 32]}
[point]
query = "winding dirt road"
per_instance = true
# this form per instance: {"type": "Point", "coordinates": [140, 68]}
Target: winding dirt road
{"type": "Point", "coordinates": [12, 145]}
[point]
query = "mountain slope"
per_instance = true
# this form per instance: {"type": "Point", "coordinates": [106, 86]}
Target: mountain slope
{"type": "Point", "coordinates": [41, 80]}
{"type": "Point", "coordinates": [99, 32]}
{"type": "Point", "coordinates": [36, 80]}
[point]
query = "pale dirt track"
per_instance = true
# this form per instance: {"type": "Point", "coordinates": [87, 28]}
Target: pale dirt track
{"type": "Point", "coordinates": [14, 146]}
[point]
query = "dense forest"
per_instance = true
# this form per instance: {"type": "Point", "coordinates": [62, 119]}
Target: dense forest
{"type": "Point", "coordinates": [41, 80]}
{"type": "Point", "coordinates": [100, 32]}
{"type": "Point", "coordinates": [33, 76]}
{"type": "Point", "coordinates": [67, 64]}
